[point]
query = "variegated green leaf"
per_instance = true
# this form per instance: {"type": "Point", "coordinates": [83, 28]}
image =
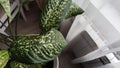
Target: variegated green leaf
{"type": "Point", "coordinates": [16, 64]}
{"type": "Point", "coordinates": [74, 10]}
{"type": "Point", "coordinates": [53, 13]}
{"type": "Point", "coordinates": [37, 48]}
{"type": "Point", "coordinates": [6, 6]}
{"type": "Point", "coordinates": [4, 57]}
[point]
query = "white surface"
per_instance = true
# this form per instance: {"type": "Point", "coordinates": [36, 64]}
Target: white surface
{"type": "Point", "coordinates": [101, 21]}
{"type": "Point", "coordinates": [56, 63]}
{"type": "Point", "coordinates": [111, 65]}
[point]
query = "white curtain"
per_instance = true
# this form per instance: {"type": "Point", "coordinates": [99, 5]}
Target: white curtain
{"type": "Point", "coordinates": [102, 21]}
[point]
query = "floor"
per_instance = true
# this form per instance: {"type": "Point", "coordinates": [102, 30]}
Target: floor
{"type": "Point", "coordinates": [31, 26]}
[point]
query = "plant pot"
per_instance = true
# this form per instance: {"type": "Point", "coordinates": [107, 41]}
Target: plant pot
{"type": "Point", "coordinates": [56, 63]}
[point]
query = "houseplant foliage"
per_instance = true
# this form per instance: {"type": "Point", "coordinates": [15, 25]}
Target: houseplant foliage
{"type": "Point", "coordinates": [16, 64]}
{"type": "Point", "coordinates": [55, 11]}
{"type": "Point", "coordinates": [37, 48]}
{"type": "Point", "coordinates": [4, 57]}
{"type": "Point", "coordinates": [6, 6]}
{"type": "Point", "coordinates": [73, 10]}
{"type": "Point", "coordinates": [33, 50]}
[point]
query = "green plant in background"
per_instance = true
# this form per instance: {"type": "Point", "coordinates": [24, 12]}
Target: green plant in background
{"type": "Point", "coordinates": [33, 50]}
{"type": "Point", "coordinates": [6, 6]}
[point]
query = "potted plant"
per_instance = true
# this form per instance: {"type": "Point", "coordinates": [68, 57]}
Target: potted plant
{"type": "Point", "coordinates": [36, 50]}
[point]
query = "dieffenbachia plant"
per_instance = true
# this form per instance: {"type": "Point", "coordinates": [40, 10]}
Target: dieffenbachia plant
{"type": "Point", "coordinates": [6, 6]}
{"type": "Point", "coordinates": [52, 14]}
{"type": "Point", "coordinates": [15, 64]}
{"type": "Point", "coordinates": [55, 11]}
{"type": "Point", "coordinates": [4, 57]}
{"type": "Point", "coordinates": [36, 48]}
{"type": "Point", "coordinates": [74, 10]}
